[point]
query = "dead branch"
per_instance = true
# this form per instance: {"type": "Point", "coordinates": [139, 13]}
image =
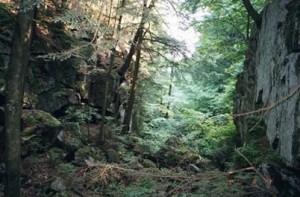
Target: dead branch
{"type": "Point", "coordinates": [271, 106]}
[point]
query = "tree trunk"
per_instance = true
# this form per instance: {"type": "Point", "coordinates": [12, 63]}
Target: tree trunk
{"type": "Point", "coordinates": [14, 96]}
{"type": "Point", "coordinates": [121, 16]}
{"type": "Point", "coordinates": [128, 114]}
{"type": "Point", "coordinates": [138, 36]}
{"type": "Point", "coordinates": [107, 84]}
{"type": "Point", "coordinates": [127, 62]}
{"type": "Point", "coordinates": [252, 12]}
{"type": "Point", "coordinates": [110, 11]}
{"type": "Point", "coordinates": [169, 103]}
{"type": "Point", "coordinates": [248, 28]}
{"type": "Point", "coordinates": [111, 65]}
{"type": "Point", "coordinates": [169, 93]}
{"type": "Point", "coordinates": [135, 46]}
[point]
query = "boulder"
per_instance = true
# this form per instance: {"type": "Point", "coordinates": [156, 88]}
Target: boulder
{"type": "Point", "coordinates": [32, 119]}
{"type": "Point", "coordinates": [39, 131]}
{"type": "Point", "coordinates": [70, 136]}
{"type": "Point", "coordinates": [141, 149]}
{"type": "Point", "coordinates": [146, 163]}
{"type": "Point", "coordinates": [135, 164]}
{"type": "Point", "coordinates": [284, 181]}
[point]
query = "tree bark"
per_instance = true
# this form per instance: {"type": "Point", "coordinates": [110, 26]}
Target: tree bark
{"type": "Point", "coordinates": [135, 46]}
{"type": "Point", "coordinates": [169, 92]}
{"type": "Point", "coordinates": [128, 114]}
{"type": "Point", "coordinates": [14, 98]}
{"type": "Point", "coordinates": [121, 16]}
{"type": "Point", "coordinates": [107, 84]}
{"type": "Point", "coordinates": [252, 12]}
{"type": "Point", "coordinates": [138, 35]}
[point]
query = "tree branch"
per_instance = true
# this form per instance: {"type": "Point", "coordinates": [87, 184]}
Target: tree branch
{"type": "Point", "coordinates": [252, 12]}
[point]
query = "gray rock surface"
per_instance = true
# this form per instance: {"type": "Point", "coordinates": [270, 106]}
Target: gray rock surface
{"type": "Point", "coordinates": [271, 79]}
{"type": "Point", "coordinates": [98, 79]}
{"type": "Point", "coordinates": [54, 84]}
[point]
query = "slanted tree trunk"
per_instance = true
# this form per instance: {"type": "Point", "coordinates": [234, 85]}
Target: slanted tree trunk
{"type": "Point", "coordinates": [14, 97]}
{"type": "Point", "coordinates": [127, 62]}
{"type": "Point", "coordinates": [138, 36]}
{"type": "Point", "coordinates": [128, 114]}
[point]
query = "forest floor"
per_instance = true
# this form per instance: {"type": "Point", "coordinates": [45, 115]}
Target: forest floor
{"type": "Point", "coordinates": [123, 168]}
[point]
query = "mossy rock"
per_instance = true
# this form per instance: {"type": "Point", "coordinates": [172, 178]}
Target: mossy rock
{"type": "Point", "coordinates": [141, 149]}
{"type": "Point", "coordinates": [70, 137]}
{"type": "Point", "coordinates": [89, 153]}
{"type": "Point", "coordinates": [38, 118]}
{"type": "Point", "coordinates": [39, 131]}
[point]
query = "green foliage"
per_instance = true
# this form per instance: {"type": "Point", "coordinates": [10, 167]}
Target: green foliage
{"type": "Point", "coordinates": [220, 54]}
{"type": "Point", "coordinates": [82, 114]}
{"type": "Point", "coordinates": [66, 168]}
{"type": "Point", "coordinates": [157, 131]}
{"type": "Point", "coordinates": [55, 156]}
{"type": "Point", "coordinates": [90, 153]}
{"type": "Point", "coordinates": [209, 136]}
{"type": "Point", "coordinates": [256, 153]}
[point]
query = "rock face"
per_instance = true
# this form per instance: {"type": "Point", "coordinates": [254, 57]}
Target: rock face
{"type": "Point", "coordinates": [98, 79]}
{"type": "Point", "coordinates": [271, 80]}
{"type": "Point", "coordinates": [54, 84]}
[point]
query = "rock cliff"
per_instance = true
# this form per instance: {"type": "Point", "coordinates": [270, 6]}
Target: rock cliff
{"type": "Point", "coordinates": [269, 86]}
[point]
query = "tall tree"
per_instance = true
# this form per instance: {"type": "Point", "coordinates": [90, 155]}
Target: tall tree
{"type": "Point", "coordinates": [14, 96]}
{"type": "Point", "coordinates": [106, 97]}
{"type": "Point", "coordinates": [130, 105]}
{"type": "Point", "coordinates": [135, 46]}
{"type": "Point", "coordinates": [108, 73]}
{"type": "Point", "coordinates": [137, 37]}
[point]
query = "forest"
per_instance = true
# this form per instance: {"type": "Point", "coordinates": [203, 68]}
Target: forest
{"type": "Point", "coordinates": [149, 98]}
